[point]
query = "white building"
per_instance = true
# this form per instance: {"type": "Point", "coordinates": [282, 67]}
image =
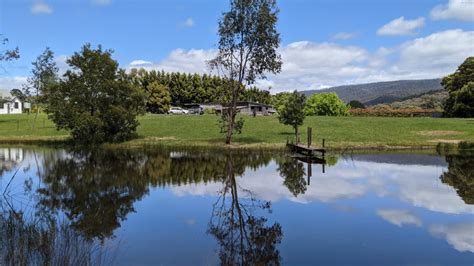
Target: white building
{"type": "Point", "coordinates": [11, 106]}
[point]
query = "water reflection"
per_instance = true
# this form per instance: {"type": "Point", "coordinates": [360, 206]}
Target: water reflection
{"type": "Point", "coordinates": [90, 195]}
{"type": "Point", "coordinates": [460, 174]}
{"type": "Point", "coordinates": [243, 236]}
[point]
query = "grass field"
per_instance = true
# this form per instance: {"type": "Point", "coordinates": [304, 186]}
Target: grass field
{"type": "Point", "coordinates": [339, 132]}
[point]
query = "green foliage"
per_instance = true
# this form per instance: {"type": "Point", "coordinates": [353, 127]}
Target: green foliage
{"type": "Point", "coordinates": [18, 94]}
{"type": "Point", "coordinates": [327, 104]}
{"type": "Point", "coordinates": [354, 104]}
{"type": "Point", "coordinates": [158, 98]}
{"type": "Point", "coordinates": [95, 100]}
{"type": "Point", "coordinates": [183, 88]}
{"type": "Point", "coordinates": [248, 44]}
{"type": "Point", "coordinates": [43, 75]}
{"type": "Point", "coordinates": [292, 113]}
{"type": "Point", "coordinates": [9, 54]}
{"type": "Point", "coordinates": [279, 100]}
{"type": "Point", "coordinates": [459, 85]}
{"type": "Point", "coordinates": [254, 94]}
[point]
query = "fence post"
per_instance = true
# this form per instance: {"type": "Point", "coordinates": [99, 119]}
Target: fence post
{"type": "Point", "coordinates": [310, 136]}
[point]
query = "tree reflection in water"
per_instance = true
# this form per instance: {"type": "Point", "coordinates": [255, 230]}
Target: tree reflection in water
{"type": "Point", "coordinates": [460, 174]}
{"type": "Point", "coordinates": [293, 172]}
{"type": "Point", "coordinates": [243, 236]}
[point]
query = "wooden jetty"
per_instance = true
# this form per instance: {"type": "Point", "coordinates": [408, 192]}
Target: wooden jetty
{"type": "Point", "coordinates": [307, 150]}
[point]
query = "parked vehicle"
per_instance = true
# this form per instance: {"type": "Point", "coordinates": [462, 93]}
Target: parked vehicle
{"type": "Point", "coordinates": [177, 111]}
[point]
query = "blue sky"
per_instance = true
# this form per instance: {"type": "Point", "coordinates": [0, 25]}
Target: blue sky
{"type": "Point", "coordinates": [324, 42]}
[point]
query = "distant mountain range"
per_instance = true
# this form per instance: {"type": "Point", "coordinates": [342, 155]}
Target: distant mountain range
{"type": "Point", "coordinates": [382, 92]}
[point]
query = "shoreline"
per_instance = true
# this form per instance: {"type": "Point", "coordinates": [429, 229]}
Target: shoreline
{"type": "Point", "coordinates": [144, 142]}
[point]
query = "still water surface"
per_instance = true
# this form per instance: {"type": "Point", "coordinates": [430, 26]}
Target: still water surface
{"type": "Point", "coordinates": [160, 206]}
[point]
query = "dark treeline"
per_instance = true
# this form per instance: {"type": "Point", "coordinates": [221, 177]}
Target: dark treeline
{"type": "Point", "coordinates": [185, 88]}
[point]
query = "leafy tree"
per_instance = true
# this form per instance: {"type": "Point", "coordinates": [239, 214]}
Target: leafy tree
{"type": "Point", "coordinates": [460, 86]}
{"type": "Point", "coordinates": [17, 93]}
{"type": "Point", "coordinates": [327, 104]}
{"type": "Point", "coordinates": [247, 50]}
{"type": "Point", "coordinates": [354, 104]}
{"type": "Point", "coordinates": [279, 100]}
{"type": "Point", "coordinates": [95, 100]}
{"type": "Point", "coordinates": [44, 75]}
{"type": "Point", "coordinates": [292, 113]}
{"type": "Point", "coordinates": [158, 98]}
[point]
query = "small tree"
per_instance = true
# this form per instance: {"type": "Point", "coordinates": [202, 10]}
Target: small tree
{"type": "Point", "coordinates": [292, 113]}
{"type": "Point", "coordinates": [354, 104]}
{"type": "Point", "coordinates": [460, 86]}
{"type": "Point", "coordinates": [44, 75]}
{"type": "Point", "coordinates": [95, 100]}
{"type": "Point", "coordinates": [158, 98]}
{"type": "Point", "coordinates": [247, 51]}
{"type": "Point", "coordinates": [327, 104]}
{"type": "Point", "coordinates": [279, 100]}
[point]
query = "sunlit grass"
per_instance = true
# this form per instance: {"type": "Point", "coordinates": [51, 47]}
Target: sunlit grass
{"type": "Point", "coordinates": [339, 132]}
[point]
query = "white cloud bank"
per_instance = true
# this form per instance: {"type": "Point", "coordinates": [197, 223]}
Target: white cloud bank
{"type": "Point", "coordinates": [310, 65]}
{"type": "Point", "coordinates": [460, 235]}
{"type": "Point", "coordinates": [462, 10]}
{"type": "Point", "coordinates": [401, 26]}
{"type": "Point", "coordinates": [399, 217]}
{"type": "Point", "coordinates": [40, 7]}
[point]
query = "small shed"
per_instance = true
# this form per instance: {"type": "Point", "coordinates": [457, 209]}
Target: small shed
{"type": "Point", "coordinates": [11, 106]}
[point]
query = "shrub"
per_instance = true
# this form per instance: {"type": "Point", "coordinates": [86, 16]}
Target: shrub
{"type": "Point", "coordinates": [327, 104]}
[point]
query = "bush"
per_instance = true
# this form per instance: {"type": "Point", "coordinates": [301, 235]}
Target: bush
{"type": "Point", "coordinates": [327, 104]}
{"type": "Point", "coordinates": [387, 111]}
{"type": "Point", "coordinates": [95, 108]}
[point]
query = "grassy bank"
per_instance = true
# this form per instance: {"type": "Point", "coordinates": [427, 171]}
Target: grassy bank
{"type": "Point", "coordinates": [339, 132]}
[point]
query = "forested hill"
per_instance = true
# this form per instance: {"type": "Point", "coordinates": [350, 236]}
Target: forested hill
{"type": "Point", "coordinates": [382, 92]}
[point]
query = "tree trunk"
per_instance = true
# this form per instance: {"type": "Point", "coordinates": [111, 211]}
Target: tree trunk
{"type": "Point", "coordinates": [230, 125]}
{"type": "Point", "coordinates": [297, 135]}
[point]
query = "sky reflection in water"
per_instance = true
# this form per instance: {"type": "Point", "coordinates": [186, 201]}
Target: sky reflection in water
{"type": "Point", "coordinates": [208, 207]}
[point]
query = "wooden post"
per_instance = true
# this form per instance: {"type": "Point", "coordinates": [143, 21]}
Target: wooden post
{"type": "Point", "coordinates": [310, 136]}
{"type": "Point", "coordinates": [323, 142]}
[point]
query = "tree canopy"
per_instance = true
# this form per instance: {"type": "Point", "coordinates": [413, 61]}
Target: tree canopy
{"type": "Point", "coordinates": [247, 51]}
{"type": "Point", "coordinates": [292, 112]}
{"type": "Point", "coordinates": [460, 86]}
{"type": "Point", "coordinates": [95, 100]}
{"type": "Point", "coordinates": [327, 104]}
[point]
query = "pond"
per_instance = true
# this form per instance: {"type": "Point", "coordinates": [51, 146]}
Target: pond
{"type": "Point", "coordinates": [162, 206]}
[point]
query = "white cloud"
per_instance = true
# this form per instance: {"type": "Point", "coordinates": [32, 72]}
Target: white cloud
{"type": "Point", "coordinates": [401, 26]}
{"type": "Point", "coordinates": [437, 54]}
{"type": "Point", "coordinates": [102, 2]}
{"type": "Point", "coordinates": [460, 235]}
{"type": "Point", "coordinates": [455, 9]}
{"type": "Point", "coordinates": [9, 83]}
{"type": "Point", "coordinates": [344, 36]}
{"type": "Point", "coordinates": [40, 7]}
{"type": "Point", "coordinates": [179, 60]}
{"type": "Point", "coordinates": [309, 65]}
{"type": "Point", "coordinates": [188, 23]}
{"type": "Point", "coordinates": [399, 217]}
{"type": "Point", "coordinates": [140, 63]}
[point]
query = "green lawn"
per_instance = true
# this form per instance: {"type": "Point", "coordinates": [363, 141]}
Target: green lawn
{"type": "Point", "coordinates": [339, 132]}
